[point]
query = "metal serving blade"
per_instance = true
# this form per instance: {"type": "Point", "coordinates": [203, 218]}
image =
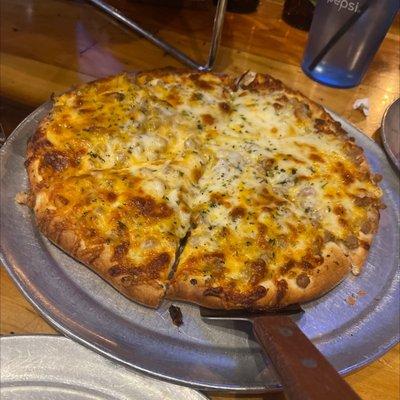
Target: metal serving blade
{"type": "Point", "coordinates": [247, 315]}
{"type": "Point", "coordinates": [304, 372]}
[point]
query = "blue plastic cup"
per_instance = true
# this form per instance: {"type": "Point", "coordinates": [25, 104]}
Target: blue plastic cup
{"type": "Point", "coordinates": [343, 39]}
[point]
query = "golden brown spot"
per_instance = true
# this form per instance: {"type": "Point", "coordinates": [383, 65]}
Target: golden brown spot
{"type": "Point", "coordinates": [262, 241]}
{"type": "Point", "coordinates": [246, 298]}
{"type": "Point", "coordinates": [196, 174]}
{"type": "Point", "coordinates": [148, 207]}
{"type": "Point", "coordinates": [86, 110]}
{"type": "Point", "coordinates": [218, 198]}
{"type": "Point", "coordinates": [119, 96]}
{"type": "Point", "coordinates": [351, 242]}
{"type": "Point", "coordinates": [90, 232]}
{"type": "Point", "coordinates": [274, 129]}
{"type": "Point", "coordinates": [287, 267]}
{"type": "Point", "coordinates": [339, 210]}
{"type": "Point", "coordinates": [346, 175]}
{"type": "Point", "coordinates": [208, 262]}
{"type": "Point", "coordinates": [115, 271]}
{"type": "Point", "coordinates": [328, 236]}
{"type": "Point", "coordinates": [224, 107]}
{"type": "Point", "coordinates": [224, 231]}
{"type": "Point", "coordinates": [60, 200]}
{"type": "Point", "coordinates": [282, 287]}
{"type": "Point", "coordinates": [38, 141]}
{"type": "Point", "coordinates": [267, 82]}
{"type": "Point", "coordinates": [196, 96]}
{"type": "Point", "coordinates": [308, 146]}
{"type": "Point", "coordinates": [277, 106]}
{"type": "Point", "coordinates": [200, 82]}
{"type": "Point", "coordinates": [303, 280]}
{"type": "Point", "coordinates": [174, 99]}
{"type": "Point", "coordinates": [301, 178]}
{"type": "Point", "coordinates": [207, 119]}
{"type": "Point", "coordinates": [317, 245]}
{"type": "Point", "coordinates": [343, 222]}
{"type": "Point", "coordinates": [271, 200]}
{"type": "Point", "coordinates": [316, 157]}
{"type": "Point", "coordinates": [120, 251]}
{"type": "Point", "coordinates": [290, 157]}
{"type": "Point", "coordinates": [237, 212]}
{"type": "Point", "coordinates": [258, 269]}
{"type": "Point", "coordinates": [267, 164]}
{"type": "Point", "coordinates": [56, 159]}
{"type": "Point", "coordinates": [283, 99]}
{"type": "Point", "coordinates": [121, 226]}
{"type": "Point", "coordinates": [366, 227]}
{"type": "Point", "coordinates": [157, 264]}
{"type": "Point", "coordinates": [365, 245]}
{"type": "Point", "coordinates": [305, 264]}
{"type": "Point", "coordinates": [293, 228]}
{"type": "Point", "coordinates": [323, 126]}
{"type": "Point", "coordinates": [111, 196]}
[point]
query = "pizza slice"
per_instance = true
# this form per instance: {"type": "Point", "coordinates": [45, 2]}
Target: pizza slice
{"type": "Point", "coordinates": [111, 123]}
{"type": "Point", "coordinates": [126, 225]}
{"type": "Point", "coordinates": [276, 224]}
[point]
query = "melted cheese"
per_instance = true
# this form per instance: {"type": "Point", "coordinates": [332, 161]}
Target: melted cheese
{"type": "Point", "coordinates": [255, 174]}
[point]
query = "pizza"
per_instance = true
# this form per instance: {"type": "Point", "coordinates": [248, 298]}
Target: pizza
{"type": "Point", "coordinates": [229, 192]}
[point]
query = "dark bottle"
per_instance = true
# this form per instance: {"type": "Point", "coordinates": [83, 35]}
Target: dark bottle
{"type": "Point", "coordinates": [298, 13]}
{"type": "Point", "coordinates": [241, 6]}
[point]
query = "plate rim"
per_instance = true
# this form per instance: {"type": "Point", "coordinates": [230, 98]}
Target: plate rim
{"type": "Point", "coordinates": [96, 348]}
{"type": "Point", "coordinates": [59, 339]}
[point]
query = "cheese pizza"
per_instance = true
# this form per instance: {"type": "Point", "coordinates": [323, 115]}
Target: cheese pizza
{"type": "Point", "coordinates": [229, 192]}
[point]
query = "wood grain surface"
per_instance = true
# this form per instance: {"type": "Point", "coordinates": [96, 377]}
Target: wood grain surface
{"type": "Point", "coordinates": [49, 45]}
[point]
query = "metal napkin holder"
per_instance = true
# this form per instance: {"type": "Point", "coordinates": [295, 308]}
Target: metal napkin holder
{"type": "Point", "coordinates": [173, 51]}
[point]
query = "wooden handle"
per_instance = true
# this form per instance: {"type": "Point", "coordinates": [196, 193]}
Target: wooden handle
{"type": "Point", "coordinates": [305, 373]}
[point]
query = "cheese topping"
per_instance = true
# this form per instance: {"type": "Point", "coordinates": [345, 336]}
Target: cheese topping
{"type": "Point", "coordinates": [258, 179]}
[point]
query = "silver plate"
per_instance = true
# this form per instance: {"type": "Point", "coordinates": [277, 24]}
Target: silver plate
{"type": "Point", "coordinates": [56, 368]}
{"type": "Point", "coordinates": [203, 355]}
{"type": "Point", "coordinates": [391, 132]}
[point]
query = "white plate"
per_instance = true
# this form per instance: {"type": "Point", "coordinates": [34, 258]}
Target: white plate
{"type": "Point", "coordinates": [56, 368]}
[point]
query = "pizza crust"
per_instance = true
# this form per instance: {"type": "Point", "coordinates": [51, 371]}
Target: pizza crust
{"type": "Point", "coordinates": [322, 279]}
{"type": "Point", "coordinates": [146, 294]}
{"type": "Point", "coordinates": [335, 268]}
{"type": "Point", "coordinates": [97, 258]}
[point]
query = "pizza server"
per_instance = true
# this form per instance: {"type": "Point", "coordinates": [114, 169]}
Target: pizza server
{"type": "Point", "coordinates": [304, 372]}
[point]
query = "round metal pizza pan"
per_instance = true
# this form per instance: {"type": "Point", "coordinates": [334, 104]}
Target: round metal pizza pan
{"type": "Point", "coordinates": [352, 325]}
{"type": "Point", "coordinates": [53, 367]}
{"type": "Point", "coordinates": [391, 132]}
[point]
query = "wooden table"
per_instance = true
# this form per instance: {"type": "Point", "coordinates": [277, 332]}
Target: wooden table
{"type": "Point", "coordinates": [49, 45]}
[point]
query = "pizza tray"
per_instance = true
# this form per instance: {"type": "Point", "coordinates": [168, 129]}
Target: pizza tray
{"type": "Point", "coordinates": [50, 367]}
{"type": "Point", "coordinates": [352, 325]}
